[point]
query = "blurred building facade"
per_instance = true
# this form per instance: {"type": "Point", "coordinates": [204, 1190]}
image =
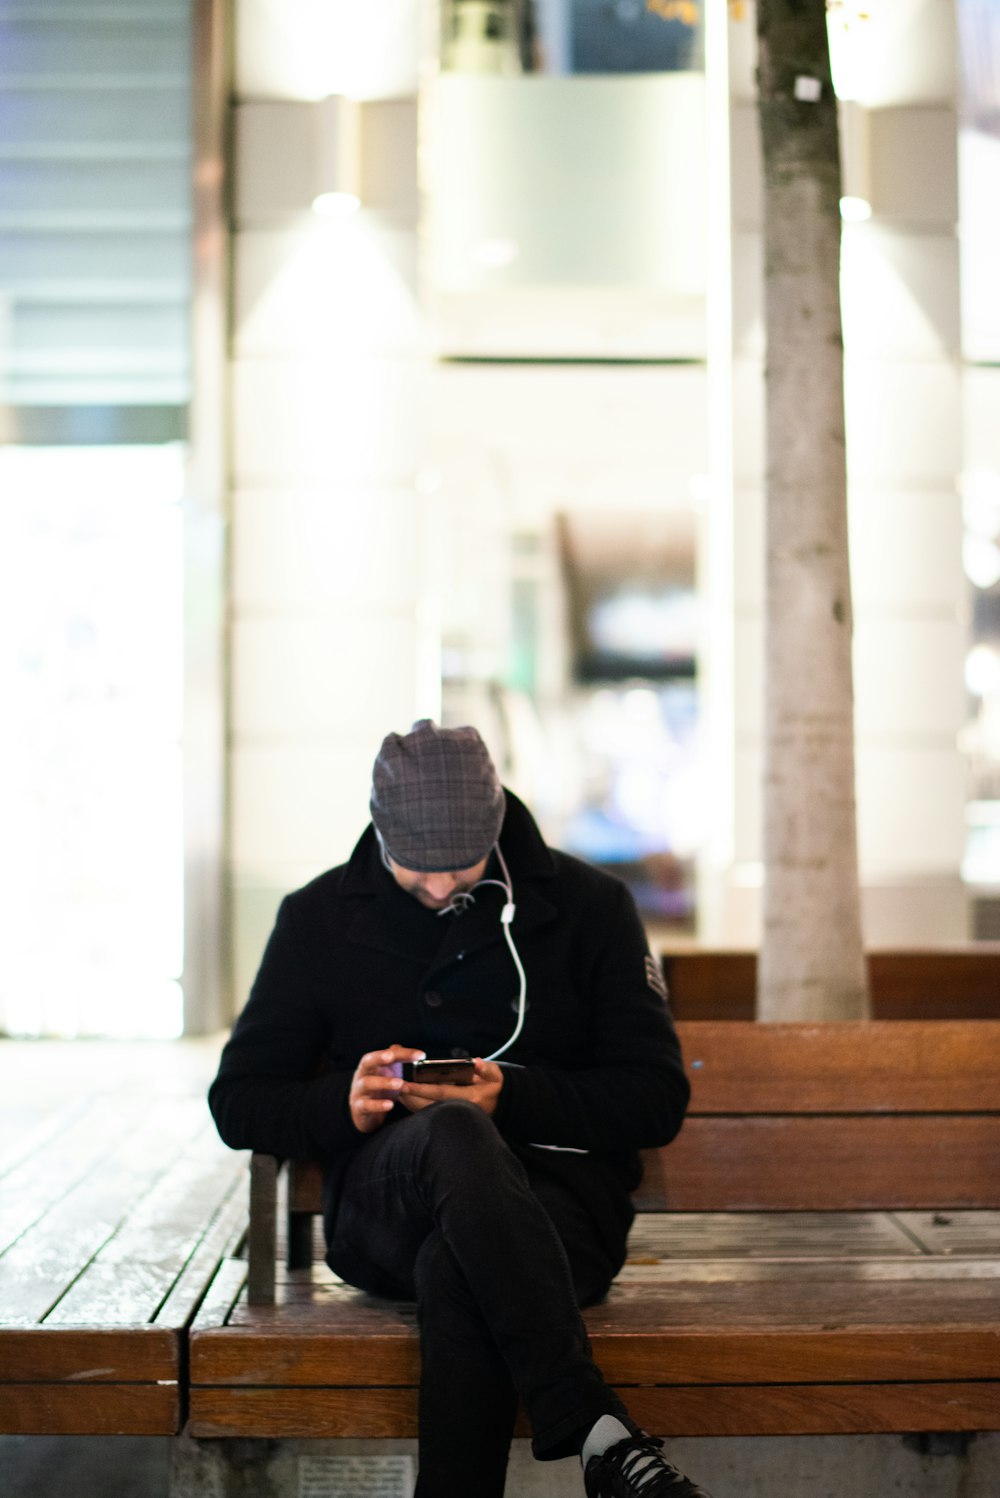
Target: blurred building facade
{"type": "Point", "coordinates": [477, 433]}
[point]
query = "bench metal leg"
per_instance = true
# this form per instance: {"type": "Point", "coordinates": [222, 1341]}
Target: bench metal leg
{"type": "Point", "coordinates": [263, 1244]}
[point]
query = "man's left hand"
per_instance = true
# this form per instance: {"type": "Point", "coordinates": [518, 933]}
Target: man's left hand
{"type": "Point", "coordinates": [482, 1092]}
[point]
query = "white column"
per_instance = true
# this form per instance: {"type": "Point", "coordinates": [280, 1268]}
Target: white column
{"type": "Point", "coordinates": [329, 632]}
{"type": "Point", "coordinates": [733, 551]}
{"type": "Point", "coordinates": [904, 425]}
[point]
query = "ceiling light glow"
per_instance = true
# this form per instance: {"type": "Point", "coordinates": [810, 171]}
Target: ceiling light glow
{"type": "Point", "coordinates": [855, 210]}
{"type": "Point", "coordinates": [980, 560]}
{"type": "Point", "coordinates": [496, 253]}
{"type": "Point", "coordinates": [980, 492]}
{"type": "Point", "coordinates": [982, 671]}
{"type": "Point", "coordinates": [334, 205]}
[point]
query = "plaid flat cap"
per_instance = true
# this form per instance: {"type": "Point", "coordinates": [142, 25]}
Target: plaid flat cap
{"type": "Point", "coordinates": [437, 801]}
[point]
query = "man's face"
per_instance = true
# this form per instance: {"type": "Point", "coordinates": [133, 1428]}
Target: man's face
{"type": "Point", "coordinates": [435, 891]}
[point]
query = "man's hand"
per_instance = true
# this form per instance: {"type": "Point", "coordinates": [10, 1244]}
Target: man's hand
{"type": "Point", "coordinates": [483, 1092]}
{"type": "Point", "coordinates": [376, 1084]}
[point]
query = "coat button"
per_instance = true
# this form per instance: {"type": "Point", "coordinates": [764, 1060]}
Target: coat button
{"type": "Point", "coordinates": [433, 999]}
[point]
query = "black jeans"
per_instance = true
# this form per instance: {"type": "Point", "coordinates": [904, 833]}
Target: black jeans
{"type": "Point", "coordinates": [437, 1208]}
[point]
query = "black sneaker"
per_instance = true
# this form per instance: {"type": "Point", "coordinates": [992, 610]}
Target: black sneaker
{"type": "Point", "coordinates": [635, 1469]}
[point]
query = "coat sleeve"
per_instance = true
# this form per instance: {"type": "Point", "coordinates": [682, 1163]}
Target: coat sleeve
{"type": "Point", "coordinates": [633, 1092]}
{"type": "Point", "coordinates": [267, 1095]}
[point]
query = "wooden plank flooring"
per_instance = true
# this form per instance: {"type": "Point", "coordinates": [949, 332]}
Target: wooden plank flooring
{"type": "Point", "coordinates": [117, 1203]}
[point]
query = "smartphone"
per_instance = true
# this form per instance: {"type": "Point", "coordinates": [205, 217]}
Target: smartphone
{"type": "Point", "coordinates": [455, 1073]}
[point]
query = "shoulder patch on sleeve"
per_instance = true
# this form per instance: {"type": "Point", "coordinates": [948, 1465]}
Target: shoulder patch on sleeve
{"type": "Point", "coordinates": [654, 977]}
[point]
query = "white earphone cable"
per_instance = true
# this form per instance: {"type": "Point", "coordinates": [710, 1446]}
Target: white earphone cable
{"type": "Point", "coordinates": [506, 918]}
{"type": "Point", "coordinates": [461, 902]}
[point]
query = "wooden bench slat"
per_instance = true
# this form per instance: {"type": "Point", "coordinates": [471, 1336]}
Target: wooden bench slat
{"type": "Point", "coordinates": [136, 1270]}
{"type": "Point", "coordinates": [954, 1233]}
{"type": "Point", "coordinates": [796, 1162]}
{"type": "Point", "coordinates": [730, 1331]}
{"type": "Point", "coordinates": [929, 983]}
{"type": "Point", "coordinates": [818, 1272]}
{"type": "Point", "coordinates": [90, 1355]}
{"type": "Point", "coordinates": [19, 1142]}
{"type": "Point", "coordinates": [656, 1275]}
{"type": "Point", "coordinates": [707, 983]}
{"type": "Point", "coordinates": [301, 1353]}
{"type": "Point", "coordinates": [765, 1356]}
{"type": "Point", "coordinates": [749, 1354]}
{"type": "Point", "coordinates": [716, 1410]}
{"type": "Point", "coordinates": [790, 1236]}
{"type": "Point", "coordinates": [815, 1409]}
{"type": "Point", "coordinates": [71, 1410]}
{"type": "Point", "coordinates": [315, 1332]}
{"type": "Point", "coordinates": [848, 1307]}
{"type": "Point", "coordinates": [222, 1295]}
{"type": "Point", "coordinates": [949, 1067]}
{"type": "Point", "coordinates": [33, 1186]}
{"type": "Point", "coordinates": [221, 1241]}
{"type": "Point", "coordinates": [43, 1263]}
{"type": "Point", "coordinates": [301, 1413]}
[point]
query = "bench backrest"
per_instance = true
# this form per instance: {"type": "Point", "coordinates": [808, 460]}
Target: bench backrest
{"type": "Point", "coordinates": [961, 982]}
{"type": "Point", "coordinates": [879, 1114]}
{"type": "Point", "coordinates": [890, 1115]}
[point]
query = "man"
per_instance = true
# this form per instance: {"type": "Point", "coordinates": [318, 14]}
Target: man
{"type": "Point", "coordinates": [502, 1205]}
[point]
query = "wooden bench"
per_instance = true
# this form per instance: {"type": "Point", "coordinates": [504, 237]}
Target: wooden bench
{"type": "Point", "coordinates": [114, 1215]}
{"type": "Point", "coordinates": [818, 1252]}
{"type": "Point", "coordinates": [961, 982]}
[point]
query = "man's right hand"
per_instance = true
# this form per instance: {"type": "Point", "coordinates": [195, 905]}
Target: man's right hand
{"type": "Point", "coordinates": [375, 1083]}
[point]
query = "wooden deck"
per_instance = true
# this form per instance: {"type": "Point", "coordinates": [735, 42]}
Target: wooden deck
{"type": "Point", "coordinates": [117, 1202]}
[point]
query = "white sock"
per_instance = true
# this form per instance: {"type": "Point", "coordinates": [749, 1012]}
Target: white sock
{"type": "Point", "coordinates": [607, 1432]}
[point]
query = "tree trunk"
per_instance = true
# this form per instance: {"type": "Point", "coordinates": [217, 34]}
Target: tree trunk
{"type": "Point", "coordinates": [812, 960]}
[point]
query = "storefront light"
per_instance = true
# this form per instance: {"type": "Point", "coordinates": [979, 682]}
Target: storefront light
{"type": "Point", "coordinates": [855, 210]}
{"type": "Point", "coordinates": [980, 560]}
{"type": "Point", "coordinates": [982, 671]}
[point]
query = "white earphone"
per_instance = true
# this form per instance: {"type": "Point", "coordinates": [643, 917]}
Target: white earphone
{"type": "Point", "coordinates": [506, 918]}
{"type": "Point", "coordinates": [459, 903]}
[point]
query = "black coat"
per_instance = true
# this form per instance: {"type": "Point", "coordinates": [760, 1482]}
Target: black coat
{"type": "Point", "coordinates": [355, 964]}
